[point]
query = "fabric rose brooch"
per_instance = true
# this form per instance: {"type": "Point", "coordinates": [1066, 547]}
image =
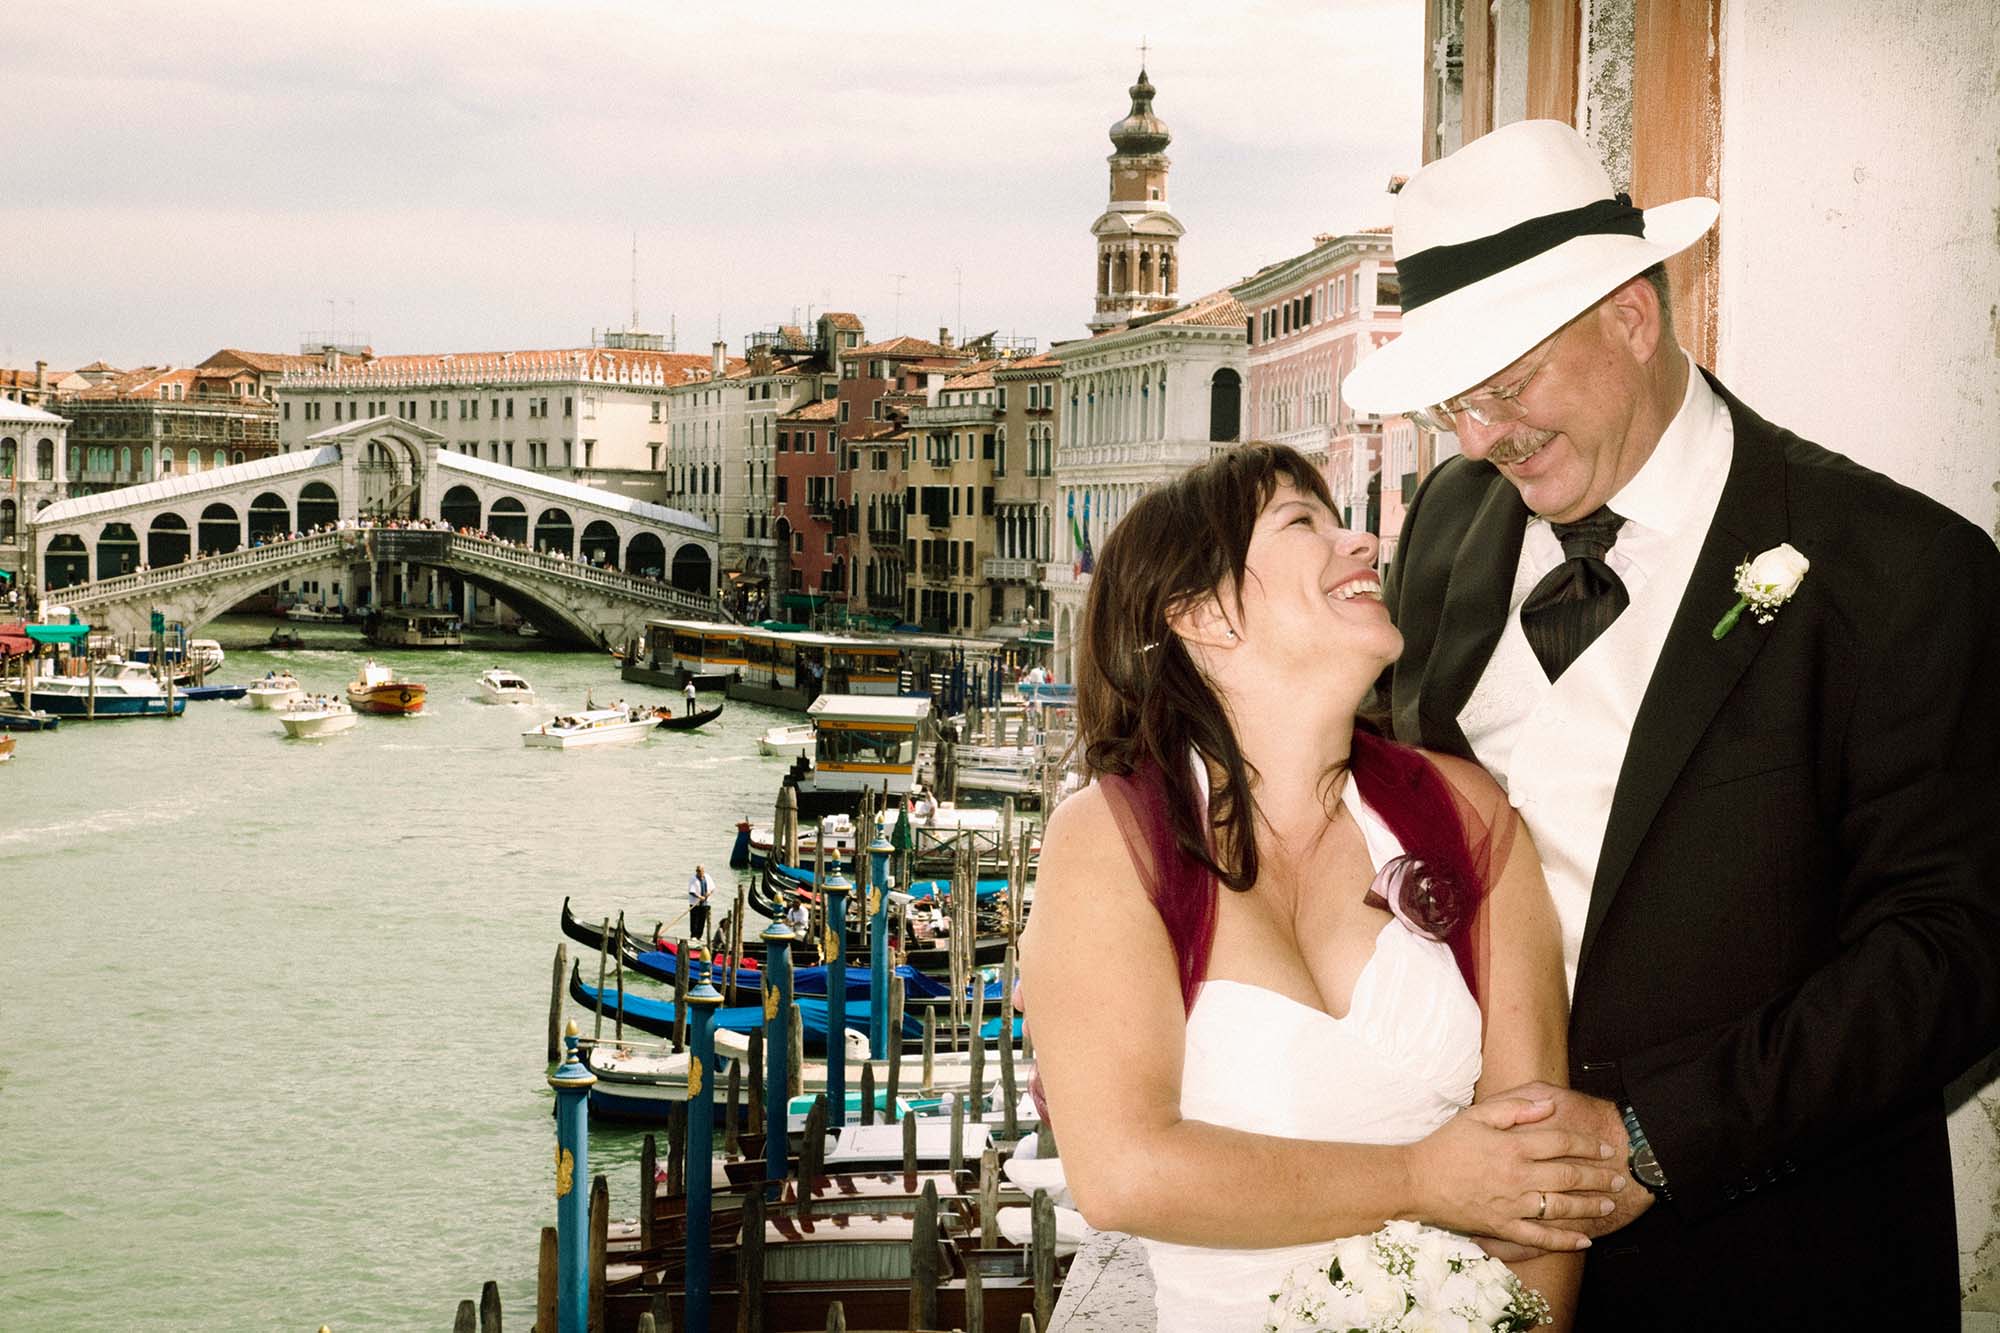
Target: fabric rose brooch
{"type": "Point", "coordinates": [1765, 584]}
{"type": "Point", "coordinates": [1424, 901]}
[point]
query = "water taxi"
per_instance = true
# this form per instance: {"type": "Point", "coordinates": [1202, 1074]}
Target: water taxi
{"type": "Point", "coordinates": [500, 686]}
{"type": "Point", "coordinates": [319, 716]}
{"type": "Point", "coordinates": [376, 689]}
{"type": "Point", "coordinates": [315, 615]}
{"type": "Point", "coordinates": [592, 726]}
{"type": "Point", "coordinates": [114, 688]}
{"type": "Point", "coordinates": [277, 690]}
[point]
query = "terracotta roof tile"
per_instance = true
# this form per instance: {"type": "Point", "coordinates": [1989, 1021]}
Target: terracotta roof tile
{"type": "Point", "coordinates": [826, 409]}
{"type": "Point", "coordinates": [905, 346]}
{"type": "Point", "coordinates": [841, 319]}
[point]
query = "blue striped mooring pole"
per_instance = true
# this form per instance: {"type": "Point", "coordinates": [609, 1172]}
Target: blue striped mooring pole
{"type": "Point", "coordinates": [572, 1082]}
{"type": "Point", "coordinates": [836, 889]}
{"type": "Point", "coordinates": [702, 1003]}
{"type": "Point", "coordinates": [777, 939]}
{"type": "Point", "coordinates": [878, 947]}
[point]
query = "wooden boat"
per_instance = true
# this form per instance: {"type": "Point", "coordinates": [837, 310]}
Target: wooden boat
{"type": "Point", "coordinates": [377, 689]}
{"type": "Point", "coordinates": [671, 721]}
{"type": "Point", "coordinates": [315, 615]}
{"type": "Point", "coordinates": [15, 718]}
{"type": "Point", "coordinates": [278, 690]}
{"type": "Point", "coordinates": [285, 638]}
{"type": "Point", "coordinates": [6, 748]}
{"type": "Point", "coordinates": [651, 1014]}
{"type": "Point", "coordinates": [591, 726]}
{"type": "Point", "coordinates": [312, 718]}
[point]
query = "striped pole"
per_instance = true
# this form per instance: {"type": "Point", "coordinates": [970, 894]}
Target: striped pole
{"type": "Point", "coordinates": [702, 1002]}
{"type": "Point", "coordinates": [878, 947]}
{"type": "Point", "coordinates": [835, 890]}
{"type": "Point", "coordinates": [777, 939]}
{"type": "Point", "coordinates": [572, 1083]}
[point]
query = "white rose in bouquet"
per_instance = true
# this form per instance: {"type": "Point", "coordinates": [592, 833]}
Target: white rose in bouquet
{"type": "Point", "coordinates": [1405, 1278]}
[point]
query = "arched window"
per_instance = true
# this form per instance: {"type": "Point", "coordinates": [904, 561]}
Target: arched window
{"type": "Point", "coordinates": [167, 460]}
{"type": "Point", "coordinates": [221, 458]}
{"type": "Point", "coordinates": [45, 460]}
{"type": "Point", "coordinates": [145, 460]}
{"type": "Point", "coordinates": [7, 451]}
{"type": "Point", "coordinates": [9, 518]}
{"type": "Point", "coordinates": [75, 461]}
{"type": "Point", "coordinates": [1225, 393]}
{"type": "Point", "coordinates": [125, 461]}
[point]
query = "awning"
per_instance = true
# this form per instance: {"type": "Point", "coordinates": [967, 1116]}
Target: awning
{"type": "Point", "coordinates": [802, 601]}
{"type": "Point", "coordinates": [67, 634]}
{"type": "Point", "coordinates": [1043, 636]}
{"type": "Point", "coordinates": [14, 641]}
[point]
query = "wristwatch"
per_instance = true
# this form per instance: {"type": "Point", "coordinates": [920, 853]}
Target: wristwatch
{"type": "Point", "coordinates": [1644, 1166]}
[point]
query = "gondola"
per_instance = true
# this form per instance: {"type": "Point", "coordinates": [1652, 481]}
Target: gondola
{"type": "Point", "coordinates": [670, 721]}
{"type": "Point", "coordinates": [654, 1015]}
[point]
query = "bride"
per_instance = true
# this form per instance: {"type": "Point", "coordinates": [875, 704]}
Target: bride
{"type": "Point", "coordinates": [1279, 969]}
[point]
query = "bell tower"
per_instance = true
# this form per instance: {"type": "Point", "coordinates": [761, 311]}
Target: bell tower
{"type": "Point", "coordinates": [1138, 266]}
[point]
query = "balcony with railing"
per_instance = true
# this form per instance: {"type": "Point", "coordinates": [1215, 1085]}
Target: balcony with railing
{"type": "Point", "coordinates": [945, 416]}
{"type": "Point", "coordinates": [1000, 569]}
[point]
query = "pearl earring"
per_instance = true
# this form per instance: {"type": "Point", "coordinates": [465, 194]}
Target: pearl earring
{"type": "Point", "coordinates": [1232, 633]}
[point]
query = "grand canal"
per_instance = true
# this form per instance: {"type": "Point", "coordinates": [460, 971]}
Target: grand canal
{"type": "Point", "coordinates": [272, 1012]}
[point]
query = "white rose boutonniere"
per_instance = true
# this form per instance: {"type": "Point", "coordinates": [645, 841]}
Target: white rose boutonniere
{"type": "Point", "coordinates": [1765, 584]}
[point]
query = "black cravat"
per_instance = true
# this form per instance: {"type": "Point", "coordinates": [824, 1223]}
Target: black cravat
{"type": "Point", "coordinates": [1578, 599]}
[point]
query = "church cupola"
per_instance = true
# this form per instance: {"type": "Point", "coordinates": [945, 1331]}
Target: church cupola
{"type": "Point", "coordinates": [1141, 131]}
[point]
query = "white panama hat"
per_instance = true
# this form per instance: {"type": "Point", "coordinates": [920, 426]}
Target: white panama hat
{"type": "Point", "coordinates": [1499, 245]}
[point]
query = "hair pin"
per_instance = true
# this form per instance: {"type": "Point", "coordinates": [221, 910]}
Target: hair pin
{"type": "Point", "coordinates": [1149, 647]}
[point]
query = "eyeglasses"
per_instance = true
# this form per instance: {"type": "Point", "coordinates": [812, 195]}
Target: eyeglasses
{"type": "Point", "coordinates": [1488, 407]}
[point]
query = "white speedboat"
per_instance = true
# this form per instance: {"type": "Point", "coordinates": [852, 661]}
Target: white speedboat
{"type": "Point", "coordinates": [500, 686]}
{"type": "Point", "coordinates": [322, 715]}
{"type": "Point", "coordinates": [278, 690]}
{"type": "Point", "coordinates": [113, 689]}
{"type": "Point", "coordinates": [592, 726]}
{"type": "Point", "coordinates": [787, 741]}
{"type": "Point", "coordinates": [315, 615]}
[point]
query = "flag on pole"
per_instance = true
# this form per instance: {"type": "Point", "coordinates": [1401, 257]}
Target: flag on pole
{"type": "Point", "coordinates": [1075, 537]}
{"type": "Point", "coordinates": [1086, 560]}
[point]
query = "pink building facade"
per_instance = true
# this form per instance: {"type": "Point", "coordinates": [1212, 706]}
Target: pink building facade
{"type": "Point", "coordinates": [1310, 320]}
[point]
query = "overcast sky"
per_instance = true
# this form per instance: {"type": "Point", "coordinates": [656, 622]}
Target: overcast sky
{"type": "Point", "coordinates": [470, 176]}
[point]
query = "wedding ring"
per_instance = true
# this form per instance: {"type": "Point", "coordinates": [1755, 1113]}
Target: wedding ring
{"type": "Point", "coordinates": [1542, 1211]}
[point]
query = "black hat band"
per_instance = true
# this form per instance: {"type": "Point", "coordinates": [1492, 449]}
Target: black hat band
{"type": "Point", "coordinates": [1443, 269]}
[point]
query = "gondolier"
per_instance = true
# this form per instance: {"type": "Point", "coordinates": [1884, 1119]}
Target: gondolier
{"type": "Point", "coordinates": [687, 692]}
{"type": "Point", "coordinates": [700, 888]}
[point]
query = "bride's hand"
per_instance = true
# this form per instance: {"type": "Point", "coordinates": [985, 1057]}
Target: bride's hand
{"type": "Point", "coordinates": [1490, 1171]}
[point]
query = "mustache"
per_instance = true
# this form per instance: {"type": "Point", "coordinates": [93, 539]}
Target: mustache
{"type": "Point", "coordinates": [1514, 448]}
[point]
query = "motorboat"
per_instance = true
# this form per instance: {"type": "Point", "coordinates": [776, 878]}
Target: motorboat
{"type": "Point", "coordinates": [321, 715]}
{"type": "Point", "coordinates": [13, 718]}
{"type": "Point", "coordinates": [6, 747]}
{"type": "Point", "coordinates": [592, 726]}
{"type": "Point", "coordinates": [114, 688]}
{"type": "Point", "coordinates": [315, 615]}
{"type": "Point", "coordinates": [500, 686]}
{"type": "Point", "coordinates": [284, 638]}
{"type": "Point", "coordinates": [787, 741]}
{"type": "Point", "coordinates": [402, 627]}
{"type": "Point", "coordinates": [377, 689]}
{"type": "Point", "coordinates": [276, 690]}
{"type": "Point", "coordinates": [201, 658]}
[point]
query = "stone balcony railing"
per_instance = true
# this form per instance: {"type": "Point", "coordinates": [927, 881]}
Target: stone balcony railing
{"type": "Point", "coordinates": [955, 414]}
{"type": "Point", "coordinates": [1004, 570]}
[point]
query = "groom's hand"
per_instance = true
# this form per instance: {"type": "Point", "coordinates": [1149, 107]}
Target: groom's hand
{"type": "Point", "coordinates": [1586, 1116]}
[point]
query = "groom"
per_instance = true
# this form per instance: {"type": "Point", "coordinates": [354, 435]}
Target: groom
{"type": "Point", "coordinates": [1772, 846]}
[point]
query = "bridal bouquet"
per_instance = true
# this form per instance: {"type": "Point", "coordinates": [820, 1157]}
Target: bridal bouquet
{"type": "Point", "coordinates": [1405, 1278]}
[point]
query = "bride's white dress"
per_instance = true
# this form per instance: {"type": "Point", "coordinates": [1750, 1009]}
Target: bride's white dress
{"type": "Point", "coordinates": [1401, 1062]}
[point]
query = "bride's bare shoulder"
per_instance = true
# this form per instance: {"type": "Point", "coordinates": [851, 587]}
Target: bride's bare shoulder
{"type": "Point", "coordinates": [1471, 781]}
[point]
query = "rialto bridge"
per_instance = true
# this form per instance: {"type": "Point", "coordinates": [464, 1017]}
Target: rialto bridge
{"type": "Point", "coordinates": [430, 527]}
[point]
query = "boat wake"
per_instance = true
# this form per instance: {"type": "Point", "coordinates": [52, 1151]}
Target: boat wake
{"type": "Point", "coordinates": [104, 821]}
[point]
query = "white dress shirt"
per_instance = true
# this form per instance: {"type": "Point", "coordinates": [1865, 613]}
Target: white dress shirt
{"type": "Point", "coordinates": [1557, 747]}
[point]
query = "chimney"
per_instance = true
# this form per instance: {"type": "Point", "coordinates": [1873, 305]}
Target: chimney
{"type": "Point", "coordinates": [944, 338]}
{"type": "Point", "coordinates": [330, 357]}
{"type": "Point", "coordinates": [720, 360]}
{"type": "Point", "coordinates": [41, 376]}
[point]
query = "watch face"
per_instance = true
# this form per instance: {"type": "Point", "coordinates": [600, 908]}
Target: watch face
{"type": "Point", "coordinates": [1647, 1168]}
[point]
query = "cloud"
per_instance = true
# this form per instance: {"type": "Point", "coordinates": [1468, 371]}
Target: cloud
{"type": "Point", "coordinates": [471, 175]}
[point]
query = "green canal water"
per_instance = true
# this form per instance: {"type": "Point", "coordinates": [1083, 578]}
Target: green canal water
{"type": "Point", "coordinates": [272, 1012]}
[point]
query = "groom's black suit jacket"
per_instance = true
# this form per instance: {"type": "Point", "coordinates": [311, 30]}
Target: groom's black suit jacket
{"type": "Point", "coordinates": [1793, 938]}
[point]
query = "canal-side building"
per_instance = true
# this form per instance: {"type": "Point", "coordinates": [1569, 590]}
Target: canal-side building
{"type": "Point", "coordinates": [802, 508]}
{"type": "Point", "coordinates": [878, 477]}
{"type": "Point", "coordinates": [34, 457]}
{"type": "Point", "coordinates": [40, 387]}
{"type": "Point", "coordinates": [1138, 404]}
{"type": "Point", "coordinates": [1308, 320]}
{"type": "Point", "coordinates": [1024, 496]}
{"type": "Point", "coordinates": [162, 422]}
{"type": "Point", "coordinates": [954, 443]}
{"type": "Point", "coordinates": [707, 440]}
{"type": "Point", "coordinates": [593, 415]}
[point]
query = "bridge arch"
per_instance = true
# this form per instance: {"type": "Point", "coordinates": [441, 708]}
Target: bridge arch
{"type": "Point", "coordinates": [646, 556]}
{"type": "Point", "coordinates": [117, 550]}
{"type": "Point", "coordinates": [599, 545]}
{"type": "Point", "coordinates": [220, 530]}
{"type": "Point", "coordinates": [459, 507]}
{"type": "Point", "coordinates": [508, 520]}
{"type": "Point", "coordinates": [555, 531]}
{"type": "Point", "coordinates": [270, 517]}
{"type": "Point", "coordinates": [318, 506]}
{"type": "Point", "coordinates": [67, 562]}
{"type": "Point", "coordinates": [166, 540]}
{"type": "Point", "coordinates": [693, 570]}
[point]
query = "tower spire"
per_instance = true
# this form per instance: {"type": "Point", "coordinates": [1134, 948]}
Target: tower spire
{"type": "Point", "coordinates": [1137, 235]}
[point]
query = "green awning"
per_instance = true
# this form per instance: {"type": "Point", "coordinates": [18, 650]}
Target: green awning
{"type": "Point", "coordinates": [1047, 636]}
{"type": "Point", "coordinates": [69, 634]}
{"type": "Point", "coordinates": [802, 601]}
